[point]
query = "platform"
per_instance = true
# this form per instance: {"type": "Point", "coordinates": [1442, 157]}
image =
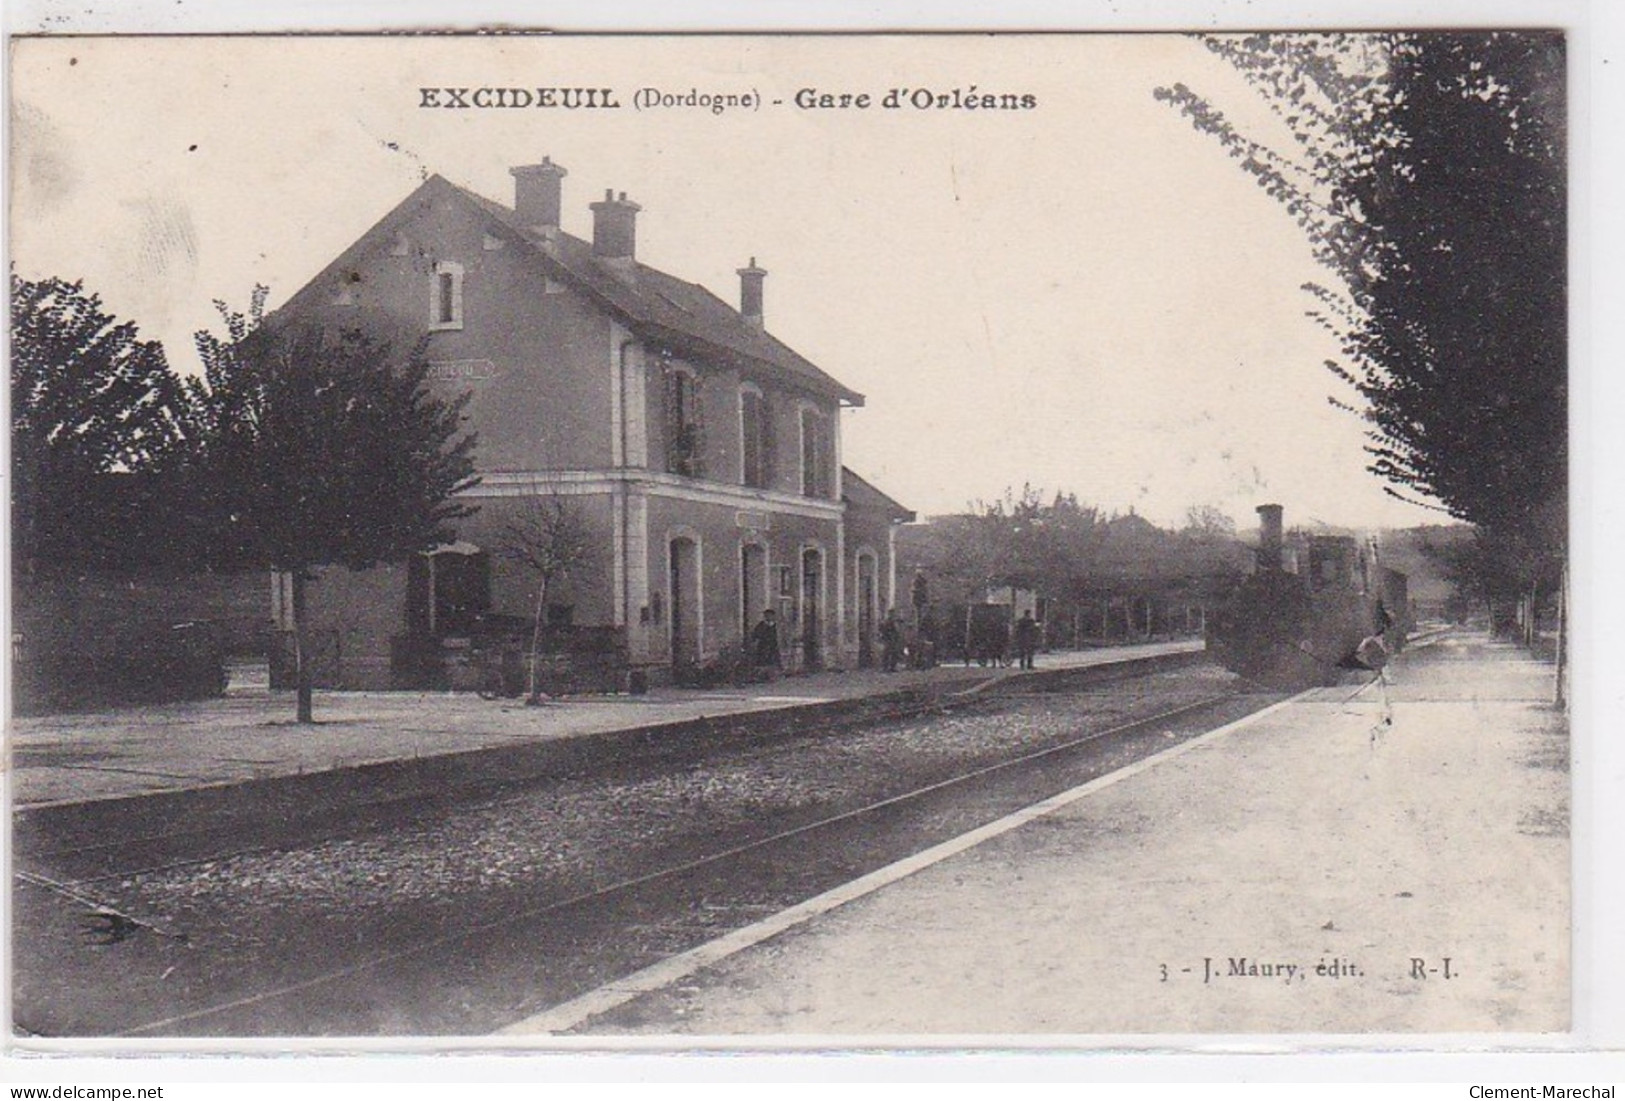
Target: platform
{"type": "Point", "coordinates": [1311, 869]}
{"type": "Point", "coordinates": [250, 734]}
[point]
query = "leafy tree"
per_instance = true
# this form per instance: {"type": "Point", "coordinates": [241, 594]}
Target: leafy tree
{"type": "Point", "coordinates": [1032, 544]}
{"type": "Point", "coordinates": [548, 537]}
{"type": "Point", "coordinates": [323, 451]}
{"type": "Point", "coordinates": [1208, 522]}
{"type": "Point", "coordinates": [89, 400]}
{"type": "Point", "coordinates": [232, 379]}
{"type": "Point", "coordinates": [1427, 172]}
{"type": "Point", "coordinates": [1070, 552]}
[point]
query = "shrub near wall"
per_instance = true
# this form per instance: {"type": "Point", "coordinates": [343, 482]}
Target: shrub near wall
{"type": "Point", "coordinates": [152, 665]}
{"type": "Point", "coordinates": [93, 642]}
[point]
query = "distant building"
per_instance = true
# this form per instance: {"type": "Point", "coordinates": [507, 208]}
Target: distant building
{"type": "Point", "coordinates": [702, 454]}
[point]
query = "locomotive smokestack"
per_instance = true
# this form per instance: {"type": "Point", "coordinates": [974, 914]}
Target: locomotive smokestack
{"type": "Point", "coordinates": [1269, 537]}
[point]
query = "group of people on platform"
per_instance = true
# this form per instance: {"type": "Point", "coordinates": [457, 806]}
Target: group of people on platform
{"type": "Point", "coordinates": [765, 652]}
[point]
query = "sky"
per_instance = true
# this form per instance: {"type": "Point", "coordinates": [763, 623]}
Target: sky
{"type": "Point", "coordinates": [1084, 296]}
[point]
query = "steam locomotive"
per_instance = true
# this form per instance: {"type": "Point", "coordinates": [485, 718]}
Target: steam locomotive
{"type": "Point", "coordinates": [1316, 607]}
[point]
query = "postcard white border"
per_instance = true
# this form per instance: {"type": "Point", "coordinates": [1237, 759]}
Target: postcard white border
{"type": "Point", "coordinates": [1596, 1048]}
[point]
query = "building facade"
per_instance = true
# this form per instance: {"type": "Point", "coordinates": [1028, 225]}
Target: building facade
{"type": "Point", "coordinates": [700, 455]}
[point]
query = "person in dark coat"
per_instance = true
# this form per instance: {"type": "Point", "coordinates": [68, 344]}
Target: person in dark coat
{"type": "Point", "coordinates": [1027, 632]}
{"type": "Point", "coordinates": [764, 643]}
{"type": "Point", "coordinates": [926, 641]}
{"type": "Point", "coordinates": [891, 642]}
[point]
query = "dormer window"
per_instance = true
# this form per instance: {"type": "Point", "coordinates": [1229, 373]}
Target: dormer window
{"type": "Point", "coordinates": [446, 300]}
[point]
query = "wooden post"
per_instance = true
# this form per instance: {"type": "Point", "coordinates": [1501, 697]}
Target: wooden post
{"type": "Point", "coordinates": [1559, 695]}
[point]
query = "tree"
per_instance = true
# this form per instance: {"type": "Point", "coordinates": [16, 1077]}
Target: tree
{"type": "Point", "coordinates": [323, 451]}
{"type": "Point", "coordinates": [89, 399]}
{"type": "Point", "coordinates": [548, 537]}
{"type": "Point", "coordinates": [1031, 544]}
{"type": "Point", "coordinates": [1208, 522]}
{"type": "Point", "coordinates": [1074, 555]}
{"type": "Point", "coordinates": [1427, 173]}
{"type": "Point", "coordinates": [232, 379]}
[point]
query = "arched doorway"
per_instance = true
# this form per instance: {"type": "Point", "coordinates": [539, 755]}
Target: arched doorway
{"type": "Point", "coordinates": [867, 615]}
{"type": "Point", "coordinates": [448, 589]}
{"type": "Point", "coordinates": [684, 586]}
{"type": "Point", "coordinates": [752, 586]}
{"type": "Point", "coordinates": [812, 608]}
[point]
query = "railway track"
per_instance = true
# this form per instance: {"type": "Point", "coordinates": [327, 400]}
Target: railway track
{"type": "Point", "coordinates": [479, 955]}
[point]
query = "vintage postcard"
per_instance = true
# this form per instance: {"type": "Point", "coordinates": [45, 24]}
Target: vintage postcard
{"type": "Point", "coordinates": [1020, 540]}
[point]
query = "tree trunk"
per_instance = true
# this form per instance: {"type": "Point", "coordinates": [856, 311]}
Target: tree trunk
{"type": "Point", "coordinates": [531, 692]}
{"type": "Point", "coordinates": [1531, 635]}
{"type": "Point", "coordinates": [301, 658]}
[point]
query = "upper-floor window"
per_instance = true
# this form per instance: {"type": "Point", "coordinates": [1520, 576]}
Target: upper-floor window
{"type": "Point", "coordinates": [685, 439]}
{"type": "Point", "coordinates": [446, 298]}
{"type": "Point", "coordinates": [816, 454]}
{"type": "Point", "coordinates": [755, 438]}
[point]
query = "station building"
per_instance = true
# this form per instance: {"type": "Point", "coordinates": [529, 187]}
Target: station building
{"type": "Point", "coordinates": [701, 454]}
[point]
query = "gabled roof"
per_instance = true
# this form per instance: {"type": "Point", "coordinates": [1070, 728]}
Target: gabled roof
{"type": "Point", "coordinates": [665, 310]}
{"type": "Point", "coordinates": [861, 495]}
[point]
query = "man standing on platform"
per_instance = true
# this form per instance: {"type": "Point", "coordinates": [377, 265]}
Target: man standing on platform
{"type": "Point", "coordinates": [891, 642]}
{"type": "Point", "coordinates": [1027, 632]}
{"type": "Point", "coordinates": [764, 644]}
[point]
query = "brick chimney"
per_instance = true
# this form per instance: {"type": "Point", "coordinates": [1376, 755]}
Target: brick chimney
{"type": "Point", "coordinates": [615, 227]}
{"type": "Point", "coordinates": [750, 293]}
{"type": "Point", "coordinates": [1269, 537]}
{"type": "Point", "coordinates": [538, 191]}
